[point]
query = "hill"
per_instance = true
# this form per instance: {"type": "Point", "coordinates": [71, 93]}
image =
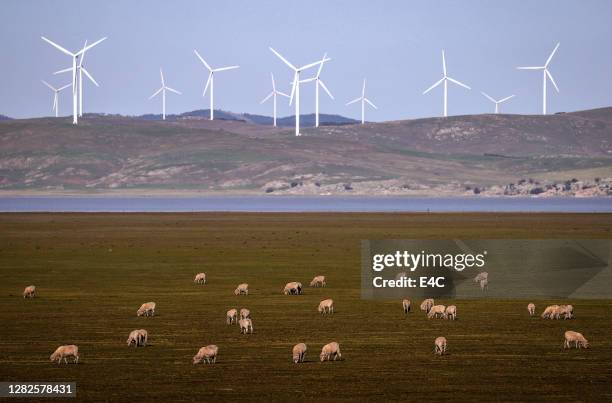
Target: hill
{"type": "Point", "coordinates": [484, 154]}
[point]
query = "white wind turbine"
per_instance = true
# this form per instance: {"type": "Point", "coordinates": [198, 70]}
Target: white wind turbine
{"type": "Point", "coordinates": [163, 89]}
{"type": "Point", "coordinates": [496, 102]}
{"type": "Point", "coordinates": [80, 70]}
{"type": "Point", "coordinates": [445, 79]}
{"type": "Point", "coordinates": [56, 92]}
{"type": "Point", "coordinates": [211, 81]}
{"type": "Point", "coordinates": [273, 94]}
{"type": "Point", "coordinates": [295, 88]}
{"type": "Point", "coordinates": [546, 74]}
{"type": "Point", "coordinates": [74, 67]}
{"type": "Point", "coordinates": [318, 82]}
{"type": "Point", "coordinates": [363, 100]}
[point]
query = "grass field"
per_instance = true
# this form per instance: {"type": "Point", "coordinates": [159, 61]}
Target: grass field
{"type": "Point", "coordinates": [93, 271]}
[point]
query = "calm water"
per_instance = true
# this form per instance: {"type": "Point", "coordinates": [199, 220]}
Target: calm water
{"type": "Point", "coordinates": [302, 204]}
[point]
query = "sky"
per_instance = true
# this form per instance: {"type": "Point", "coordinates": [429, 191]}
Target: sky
{"type": "Point", "coordinates": [396, 45]}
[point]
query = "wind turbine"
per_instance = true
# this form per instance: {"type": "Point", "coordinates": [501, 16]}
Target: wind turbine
{"type": "Point", "coordinates": [546, 74]}
{"type": "Point", "coordinates": [75, 56]}
{"type": "Point", "coordinates": [163, 89]}
{"type": "Point", "coordinates": [318, 82]}
{"type": "Point", "coordinates": [496, 102]}
{"type": "Point", "coordinates": [273, 94]}
{"type": "Point", "coordinates": [363, 100]}
{"type": "Point", "coordinates": [80, 70]}
{"type": "Point", "coordinates": [445, 79]}
{"type": "Point", "coordinates": [211, 80]}
{"type": "Point", "coordinates": [295, 88]}
{"type": "Point", "coordinates": [55, 95]}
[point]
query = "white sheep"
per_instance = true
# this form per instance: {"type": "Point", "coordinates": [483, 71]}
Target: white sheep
{"type": "Point", "coordinates": [450, 312]}
{"type": "Point", "coordinates": [531, 308]}
{"type": "Point", "coordinates": [549, 311]}
{"type": "Point", "coordinates": [200, 278]}
{"type": "Point", "coordinates": [146, 309]}
{"type": "Point", "coordinates": [576, 338]}
{"type": "Point", "coordinates": [484, 284]}
{"type": "Point", "coordinates": [63, 352]}
{"type": "Point", "coordinates": [299, 352]}
{"type": "Point", "coordinates": [427, 304]}
{"type": "Point", "coordinates": [246, 326]}
{"type": "Point", "coordinates": [231, 316]}
{"type": "Point", "coordinates": [565, 310]}
{"type": "Point", "coordinates": [329, 351]}
{"type": "Point", "coordinates": [245, 313]}
{"type": "Point", "coordinates": [406, 305]}
{"type": "Point", "coordinates": [318, 281]}
{"type": "Point", "coordinates": [29, 292]}
{"type": "Point", "coordinates": [143, 337]}
{"type": "Point", "coordinates": [481, 276]}
{"type": "Point", "coordinates": [292, 288]}
{"type": "Point", "coordinates": [133, 338]}
{"type": "Point", "coordinates": [242, 289]}
{"type": "Point", "coordinates": [207, 354]}
{"type": "Point", "coordinates": [326, 306]}
{"type": "Point", "coordinates": [440, 345]}
{"type": "Point", "coordinates": [436, 311]}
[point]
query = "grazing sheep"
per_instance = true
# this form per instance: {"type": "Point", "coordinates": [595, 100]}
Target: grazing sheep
{"type": "Point", "coordinates": [143, 337]}
{"type": "Point", "coordinates": [450, 312]}
{"type": "Point", "coordinates": [293, 288]}
{"type": "Point", "coordinates": [440, 345]}
{"type": "Point", "coordinates": [576, 338]}
{"type": "Point", "coordinates": [406, 305]}
{"type": "Point", "coordinates": [484, 283]}
{"type": "Point", "coordinates": [29, 292]}
{"type": "Point", "coordinates": [427, 304]}
{"type": "Point", "coordinates": [231, 316]}
{"type": "Point", "coordinates": [481, 276]}
{"type": "Point", "coordinates": [246, 326]}
{"type": "Point", "coordinates": [330, 350]}
{"type": "Point", "coordinates": [242, 289]}
{"type": "Point", "coordinates": [531, 309]}
{"type": "Point", "coordinates": [207, 354]}
{"type": "Point", "coordinates": [549, 311]}
{"type": "Point", "coordinates": [436, 311]}
{"type": "Point", "coordinates": [326, 306]}
{"type": "Point", "coordinates": [146, 309]}
{"type": "Point", "coordinates": [200, 278]}
{"type": "Point", "coordinates": [566, 310]}
{"type": "Point", "coordinates": [245, 313]}
{"type": "Point", "coordinates": [62, 352]}
{"type": "Point", "coordinates": [299, 352]}
{"type": "Point", "coordinates": [318, 281]}
{"type": "Point", "coordinates": [133, 338]}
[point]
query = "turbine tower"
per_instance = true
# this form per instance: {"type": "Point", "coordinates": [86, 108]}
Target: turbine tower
{"type": "Point", "coordinates": [163, 89]}
{"type": "Point", "coordinates": [546, 74]}
{"type": "Point", "coordinates": [496, 102]}
{"type": "Point", "coordinates": [318, 83]}
{"type": "Point", "coordinates": [211, 80]}
{"type": "Point", "coordinates": [273, 94]}
{"type": "Point", "coordinates": [295, 88]}
{"type": "Point", "coordinates": [75, 56]}
{"type": "Point", "coordinates": [363, 100]}
{"type": "Point", "coordinates": [80, 71]}
{"type": "Point", "coordinates": [445, 79]}
{"type": "Point", "coordinates": [56, 92]}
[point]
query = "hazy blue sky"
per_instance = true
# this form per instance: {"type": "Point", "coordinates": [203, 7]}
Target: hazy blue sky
{"type": "Point", "coordinates": [395, 44]}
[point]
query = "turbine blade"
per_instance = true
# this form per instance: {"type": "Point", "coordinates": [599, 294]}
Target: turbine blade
{"type": "Point", "coordinates": [443, 63]}
{"type": "Point", "coordinates": [83, 56]}
{"type": "Point", "coordinates": [48, 85]}
{"type": "Point", "coordinates": [530, 68]}
{"type": "Point", "coordinates": [54, 102]}
{"type": "Point", "coordinates": [86, 48]}
{"type": "Point", "coordinates": [294, 84]}
{"type": "Point", "coordinates": [57, 46]}
{"type": "Point", "coordinates": [313, 64]}
{"type": "Point", "coordinates": [207, 83]}
{"type": "Point", "coordinates": [433, 86]}
{"type": "Point", "coordinates": [505, 99]}
{"type": "Point", "coordinates": [363, 89]}
{"type": "Point", "coordinates": [458, 83]}
{"type": "Point", "coordinates": [161, 74]}
{"type": "Point", "coordinates": [63, 71]}
{"type": "Point", "coordinates": [326, 89]}
{"type": "Point", "coordinates": [202, 60]}
{"type": "Point", "coordinates": [552, 80]}
{"type": "Point", "coordinates": [488, 97]}
{"type": "Point", "coordinates": [321, 65]}
{"type": "Point", "coordinates": [273, 83]}
{"type": "Point", "coordinates": [173, 90]}
{"type": "Point", "coordinates": [307, 80]}
{"type": "Point", "coordinates": [89, 76]}
{"type": "Point", "coordinates": [156, 92]}
{"type": "Point", "coordinates": [371, 104]}
{"type": "Point", "coordinates": [282, 93]}
{"type": "Point", "coordinates": [283, 59]}
{"type": "Point", "coordinates": [226, 68]}
{"type": "Point", "coordinates": [64, 87]}
{"type": "Point", "coordinates": [552, 54]}
{"type": "Point", "coordinates": [354, 100]}
{"type": "Point", "coordinates": [266, 98]}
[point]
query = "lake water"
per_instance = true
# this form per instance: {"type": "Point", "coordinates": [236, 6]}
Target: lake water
{"type": "Point", "coordinates": [302, 204]}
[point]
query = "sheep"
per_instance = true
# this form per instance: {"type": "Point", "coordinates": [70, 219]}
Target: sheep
{"type": "Point", "coordinates": [246, 326]}
{"type": "Point", "coordinates": [62, 352]}
{"type": "Point", "coordinates": [29, 291]}
{"type": "Point", "coordinates": [427, 304]}
{"type": "Point", "coordinates": [245, 313]}
{"type": "Point", "coordinates": [565, 310]}
{"type": "Point", "coordinates": [242, 289]}
{"type": "Point", "coordinates": [143, 337]}
{"type": "Point", "coordinates": [576, 338]}
{"type": "Point", "coordinates": [292, 288]}
{"type": "Point", "coordinates": [200, 278]}
{"type": "Point", "coordinates": [146, 309]}
{"type": "Point", "coordinates": [406, 305]}
{"type": "Point", "coordinates": [326, 306]}
{"type": "Point", "coordinates": [483, 284]}
{"type": "Point", "coordinates": [207, 354]}
{"type": "Point", "coordinates": [481, 276]}
{"type": "Point", "coordinates": [299, 352]}
{"type": "Point", "coordinates": [440, 345]}
{"type": "Point", "coordinates": [450, 312]}
{"type": "Point", "coordinates": [231, 316]}
{"type": "Point", "coordinates": [531, 309]}
{"type": "Point", "coordinates": [133, 338]}
{"type": "Point", "coordinates": [318, 281]}
{"type": "Point", "coordinates": [436, 310]}
{"type": "Point", "coordinates": [330, 350]}
{"type": "Point", "coordinates": [549, 311]}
